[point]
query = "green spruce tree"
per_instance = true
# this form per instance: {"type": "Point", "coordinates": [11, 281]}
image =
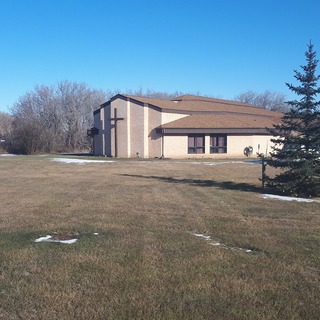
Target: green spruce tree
{"type": "Point", "coordinates": [297, 139]}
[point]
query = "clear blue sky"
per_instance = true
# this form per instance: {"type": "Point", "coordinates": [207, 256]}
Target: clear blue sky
{"type": "Point", "coordinates": [214, 47]}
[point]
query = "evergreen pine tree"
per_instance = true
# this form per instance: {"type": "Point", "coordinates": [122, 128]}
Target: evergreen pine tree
{"type": "Point", "coordinates": [297, 138]}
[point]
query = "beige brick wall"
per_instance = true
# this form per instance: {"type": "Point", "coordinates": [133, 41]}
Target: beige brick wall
{"type": "Point", "coordinates": [122, 129]}
{"type": "Point", "coordinates": [98, 140]}
{"type": "Point", "coordinates": [136, 130]}
{"type": "Point", "coordinates": [154, 139]}
{"type": "Point", "coordinates": [177, 146]}
{"type": "Point", "coordinates": [136, 133]}
{"type": "Point", "coordinates": [259, 143]}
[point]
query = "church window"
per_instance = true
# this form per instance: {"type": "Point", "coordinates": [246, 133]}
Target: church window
{"type": "Point", "coordinates": [218, 143]}
{"type": "Point", "coordinates": [196, 144]}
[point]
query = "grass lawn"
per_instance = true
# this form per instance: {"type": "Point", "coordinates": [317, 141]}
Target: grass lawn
{"type": "Point", "coordinates": [146, 262]}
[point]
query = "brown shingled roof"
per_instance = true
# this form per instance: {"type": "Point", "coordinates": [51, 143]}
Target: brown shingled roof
{"type": "Point", "coordinates": [196, 104]}
{"type": "Point", "coordinates": [218, 121]}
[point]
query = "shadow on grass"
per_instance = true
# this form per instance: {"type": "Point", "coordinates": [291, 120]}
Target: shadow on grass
{"type": "Point", "coordinates": [229, 185]}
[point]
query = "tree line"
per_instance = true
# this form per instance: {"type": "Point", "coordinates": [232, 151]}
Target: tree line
{"type": "Point", "coordinates": [51, 118]}
{"type": "Point", "coordinates": [56, 118]}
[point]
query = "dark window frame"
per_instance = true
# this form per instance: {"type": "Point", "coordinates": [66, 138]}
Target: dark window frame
{"type": "Point", "coordinates": [218, 143]}
{"type": "Point", "coordinates": [196, 144]}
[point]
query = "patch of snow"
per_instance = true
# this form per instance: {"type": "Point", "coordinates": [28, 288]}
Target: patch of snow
{"type": "Point", "coordinates": [41, 239]}
{"type": "Point", "coordinates": [209, 163]}
{"type": "Point", "coordinates": [217, 163]}
{"type": "Point", "coordinates": [79, 161]}
{"type": "Point", "coordinates": [284, 198]}
{"type": "Point", "coordinates": [48, 238]}
{"type": "Point", "coordinates": [241, 249]}
{"type": "Point", "coordinates": [216, 243]}
{"type": "Point", "coordinates": [253, 162]}
{"type": "Point", "coordinates": [202, 236]}
{"type": "Point", "coordinates": [206, 163]}
{"type": "Point", "coordinates": [7, 155]}
{"type": "Point", "coordinates": [70, 241]}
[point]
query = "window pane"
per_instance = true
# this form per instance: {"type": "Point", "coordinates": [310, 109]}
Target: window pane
{"type": "Point", "coordinates": [200, 141]}
{"type": "Point", "coordinates": [221, 141]}
{"type": "Point", "coordinates": [191, 142]}
{"type": "Point", "coordinates": [218, 144]}
{"type": "Point", "coordinates": [213, 141]}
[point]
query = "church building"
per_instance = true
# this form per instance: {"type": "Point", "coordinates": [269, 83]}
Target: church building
{"type": "Point", "coordinates": [184, 127]}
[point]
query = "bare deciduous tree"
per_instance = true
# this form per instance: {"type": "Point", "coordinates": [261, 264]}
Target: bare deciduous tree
{"type": "Point", "coordinates": [274, 101]}
{"type": "Point", "coordinates": [77, 103]}
{"type": "Point", "coordinates": [55, 118]}
{"type": "Point", "coordinates": [149, 93]}
{"type": "Point", "coordinates": [5, 129]}
{"type": "Point", "coordinates": [5, 124]}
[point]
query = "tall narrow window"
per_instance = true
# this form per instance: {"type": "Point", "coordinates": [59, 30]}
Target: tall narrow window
{"type": "Point", "coordinates": [196, 144]}
{"type": "Point", "coordinates": [218, 143]}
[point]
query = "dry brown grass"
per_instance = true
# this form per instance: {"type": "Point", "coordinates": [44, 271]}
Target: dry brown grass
{"type": "Point", "coordinates": [145, 263]}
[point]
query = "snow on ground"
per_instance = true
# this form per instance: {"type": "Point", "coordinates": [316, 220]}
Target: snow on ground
{"type": "Point", "coordinates": [216, 243]}
{"type": "Point", "coordinates": [216, 163]}
{"type": "Point", "coordinates": [208, 163]}
{"type": "Point", "coordinates": [48, 238]}
{"type": "Point", "coordinates": [205, 163]}
{"type": "Point", "coordinates": [283, 198]}
{"type": "Point", "coordinates": [200, 235]}
{"type": "Point", "coordinates": [85, 161]}
{"type": "Point", "coordinates": [79, 161]}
